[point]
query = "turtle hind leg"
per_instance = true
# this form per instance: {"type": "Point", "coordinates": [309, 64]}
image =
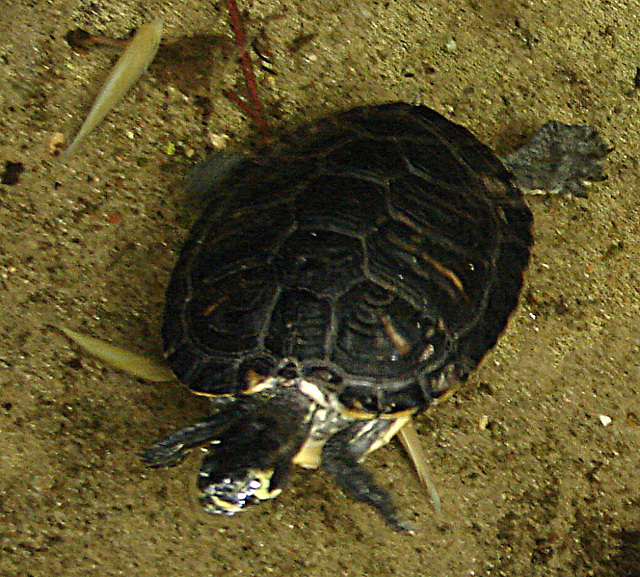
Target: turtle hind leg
{"type": "Point", "coordinates": [560, 158]}
{"type": "Point", "coordinates": [340, 457]}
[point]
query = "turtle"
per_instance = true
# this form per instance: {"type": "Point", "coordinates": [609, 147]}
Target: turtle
{"type": "Point", "coordinates": [342, 280]}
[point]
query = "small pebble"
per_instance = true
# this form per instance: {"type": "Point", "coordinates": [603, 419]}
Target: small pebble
{"type": "Point", "coordinates": [219, 141]}
{"type": "Point", "coordinates": [43, 482]}
{"type": "Point", "coordinates": [606, 421]}
{"type": "Point", "coordinates": [56, 143]}
{"type": "Point", "coordinates": [451, 46]}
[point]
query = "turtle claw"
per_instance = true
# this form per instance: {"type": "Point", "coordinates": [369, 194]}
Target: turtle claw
{"type": "Point", "coordinates": [164, 454]}
{"type": "Point", "coordinates": [560, 158]}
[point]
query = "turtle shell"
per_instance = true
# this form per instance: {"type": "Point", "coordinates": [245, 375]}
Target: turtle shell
{"type": "Point", "coordinates": [379, 252]}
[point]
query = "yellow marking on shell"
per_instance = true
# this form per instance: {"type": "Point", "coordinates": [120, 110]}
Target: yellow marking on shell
{"type": "Point", "coordinates": [214, 305]}
{"type": "Point", "coordinates": [397, 340]}
{"type": "Point", "coordinates": [447, 273]}
{"type": "Point", "coordinates": [440, 268]}
{"type": "Point", "coordinates": [359, 414]}
{"type": "Point", "coordinates": [256, 383]}
{"type": "Point", "coordinates": [133, 62]}
{"type": "Point", "coordinates": [216, 395]}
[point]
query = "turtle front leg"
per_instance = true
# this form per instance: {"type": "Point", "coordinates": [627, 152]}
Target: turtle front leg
{"type": "Point", "coordinates": [340, 456]}
{"type": "Point", "coordinates": [171, 450]}
{"type": "Point", "coordinates": [559, 158]}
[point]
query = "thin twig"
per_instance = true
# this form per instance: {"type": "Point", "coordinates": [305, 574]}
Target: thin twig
{"type": "Point", "coordinates": [257, 109]}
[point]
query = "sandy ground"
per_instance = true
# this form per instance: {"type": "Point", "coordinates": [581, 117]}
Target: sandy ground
{"type": "Point", "coordinates": [544, 489]}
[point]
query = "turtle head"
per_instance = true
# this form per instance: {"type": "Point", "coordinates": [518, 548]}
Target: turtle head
{"type": "Point", "coordinates": [249, 440]}
{"type": "Point", "coordinates": [248, 460]}
{"type": "Point", "coordinates": [245, 465]}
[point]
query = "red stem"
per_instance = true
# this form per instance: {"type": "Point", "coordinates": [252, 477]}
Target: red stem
{"type": "Point", "coordinates": [242, 105]}
{"type": "Point", "coordinates": [256, 109]}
